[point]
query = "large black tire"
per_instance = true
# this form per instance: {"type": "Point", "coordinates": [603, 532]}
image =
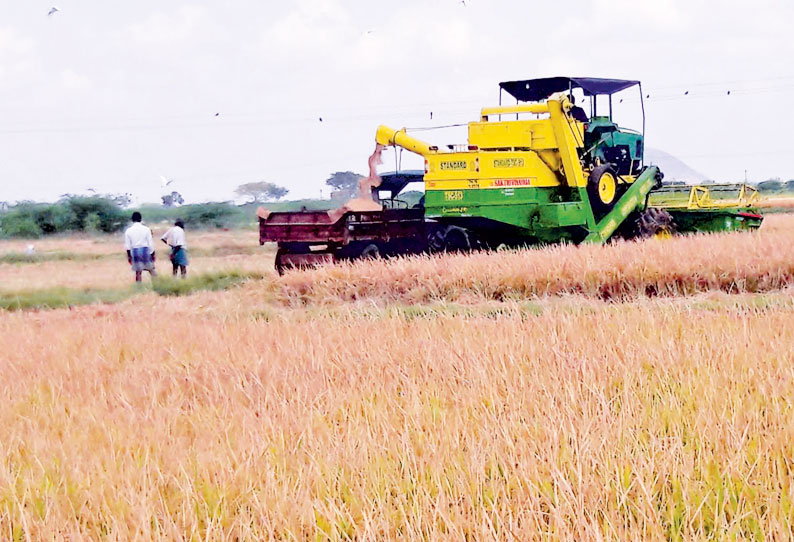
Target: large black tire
{"type": "Point", "coordinates": [603, 189]}
{"type": "Point", "coordinates": [280, 267]}
{"type": "Point", "coordinates": [450, 239]}
{"type": "Point", "coordinates": [649, 223]}
{"type": "Point", "coordinates": [370, 251]}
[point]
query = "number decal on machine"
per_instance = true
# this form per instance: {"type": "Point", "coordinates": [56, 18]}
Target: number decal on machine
{"type": "Point", "coordinates": [508, 163]}
{"type": "Point", "coordinates": [453, 195]}
{"type": "Point", "coordinates": [454, 165]}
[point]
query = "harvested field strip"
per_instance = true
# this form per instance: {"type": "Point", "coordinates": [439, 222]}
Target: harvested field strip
{"type": "Point", "coordinates": [733, 263]}
{"type": "Point", "coordinates": [54, 298]}
{"type": "Point", "coordinates": [24, 258]}
{"type": "Point", "coordinates": [640, 421]}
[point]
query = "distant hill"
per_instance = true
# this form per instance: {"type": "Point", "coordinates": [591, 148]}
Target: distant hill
{"type": "Point", "coordinates": [673, 168]}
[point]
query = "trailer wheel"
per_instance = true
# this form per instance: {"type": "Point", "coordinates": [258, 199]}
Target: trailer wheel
{"type": "Point", "coordinates": [370, 252]}
{"type": "Point", "coordinates": [603, 189]}
{"type": "Point", "coordinates": [280, 267]}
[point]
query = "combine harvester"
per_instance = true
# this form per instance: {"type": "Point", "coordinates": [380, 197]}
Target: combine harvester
{"type": "Point", "coordinates": [538, 172]}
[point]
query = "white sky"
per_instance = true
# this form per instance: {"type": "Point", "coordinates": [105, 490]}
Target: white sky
{"type": "Point", "coordinates": [113, 95]}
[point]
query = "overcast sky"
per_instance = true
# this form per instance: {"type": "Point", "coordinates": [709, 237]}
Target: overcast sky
{"type": "Point", "coordinates": [114, 95]}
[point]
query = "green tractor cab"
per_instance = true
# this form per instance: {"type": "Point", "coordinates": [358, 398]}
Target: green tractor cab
{"type": "Point", "coordinates": [606, 143]}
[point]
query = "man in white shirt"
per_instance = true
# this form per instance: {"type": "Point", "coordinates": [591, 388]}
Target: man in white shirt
{"type": "Point", "coordinates": [175, 238]}
{"type": "Point", "coordinates": [140, 247]}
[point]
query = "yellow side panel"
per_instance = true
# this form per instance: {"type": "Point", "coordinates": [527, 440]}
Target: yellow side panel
{"type": "Point", "coordinates": [485, 184]}
{"type": "Point", "coordinates": [452, 165]}
{"type": "Point", "coordinates": [534, 134]}
{"type": "Point", "coordinates": [474, 170]}
{"type": "Point", "coordinates": [516, 165]}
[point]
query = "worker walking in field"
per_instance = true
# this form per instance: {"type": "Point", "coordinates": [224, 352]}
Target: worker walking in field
{"type": "Point", "coordinates": [175, 238]}
{"type": "Point", "coordinates": [140, 247]}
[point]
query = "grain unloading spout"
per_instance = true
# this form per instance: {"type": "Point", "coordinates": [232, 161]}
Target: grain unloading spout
{"type": "Point", "coordinates": [387, 136]}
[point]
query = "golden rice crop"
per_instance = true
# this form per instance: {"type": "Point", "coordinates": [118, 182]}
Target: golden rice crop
{"type": "Point", "coordinates": [454, 397]}
{"type": "Point", "coordinates": [217, 418]}
{"type": "Point", "coordinates": [734, 262]}
{"type": "Point", "coordinates": [777, 202]}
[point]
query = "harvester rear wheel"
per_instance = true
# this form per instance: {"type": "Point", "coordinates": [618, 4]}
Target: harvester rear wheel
{"type": "Point", "coordinates": [602, 187]}
{"type": "Point", "coordinates": [450, 239]}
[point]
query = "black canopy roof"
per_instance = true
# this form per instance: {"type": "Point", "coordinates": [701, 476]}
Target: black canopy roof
{"type": "Point", "coordinates": [534, 90]}
{"type": "Point", "coordinates": [395, 182]}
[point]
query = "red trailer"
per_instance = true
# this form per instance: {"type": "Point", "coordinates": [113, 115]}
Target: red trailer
{"type": "Point", "coordinates": [309, 238]}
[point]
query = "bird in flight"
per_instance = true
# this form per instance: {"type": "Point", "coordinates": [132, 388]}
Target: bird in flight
{"type": "Point", "coordinates": [321, 119]}
{"type": "Point", "coordinates": [53, 11]}
{"type": "Point", "coordinates": [165, 182]}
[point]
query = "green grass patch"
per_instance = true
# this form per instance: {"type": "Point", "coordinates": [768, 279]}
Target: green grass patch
{"type": "Point", "coordinates": [211, 252]}
{"type": "Point", "coordinates": [56, 298]}
{"type": "Point", "coordinates": [21, 257]}
{"type": "Point", "coordinates": [227, 250]}
{"type": "Point", "coordinates": [223, 280]}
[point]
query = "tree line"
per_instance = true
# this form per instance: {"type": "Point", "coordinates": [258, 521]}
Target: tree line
{"type": "Point", "coordinates": [109, 213]}
{"type": "Point", "coordinates": [343, 184]}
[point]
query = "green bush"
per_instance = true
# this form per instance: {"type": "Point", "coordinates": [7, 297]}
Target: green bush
{"type": "Point", "coordinates": [99, 214]}
{"type": "Point", "coordinates": [70, 214]}
{"type": "Point", "coordinates": [94, 214]}
{"type": "Point", "coordinates": [52, 218]}
{"type": "Point", "coordinates": [217, 215]}
{"type": "Point", "coordinates": [19, 225]}
{"type": "Point", "coordinates": [92, 223]}
{"type": "Point", "coordinates": [35, 219]}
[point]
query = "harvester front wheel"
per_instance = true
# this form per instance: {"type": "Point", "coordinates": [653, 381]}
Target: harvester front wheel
{"type": "Point", "coordinates": [652, 222]}
{"type": "Point", "coordinates": [655, 222]}
{"type": "Point", "coordinates": [602, 187]}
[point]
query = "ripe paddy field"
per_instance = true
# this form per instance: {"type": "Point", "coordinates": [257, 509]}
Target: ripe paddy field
{"type": "Point", "coordinates": [631, 391]}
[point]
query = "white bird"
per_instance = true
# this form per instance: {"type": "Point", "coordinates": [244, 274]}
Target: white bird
{"type": "Point", "coordinates": [53, 11]}
{"type": "Point", "coordinates": [165, 182]}
{"type": "Point", "coordinates": [30, 250]}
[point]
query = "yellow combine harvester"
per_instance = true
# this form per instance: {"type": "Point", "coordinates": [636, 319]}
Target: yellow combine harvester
{"type": "Point", "coordinates": [539, 171]}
